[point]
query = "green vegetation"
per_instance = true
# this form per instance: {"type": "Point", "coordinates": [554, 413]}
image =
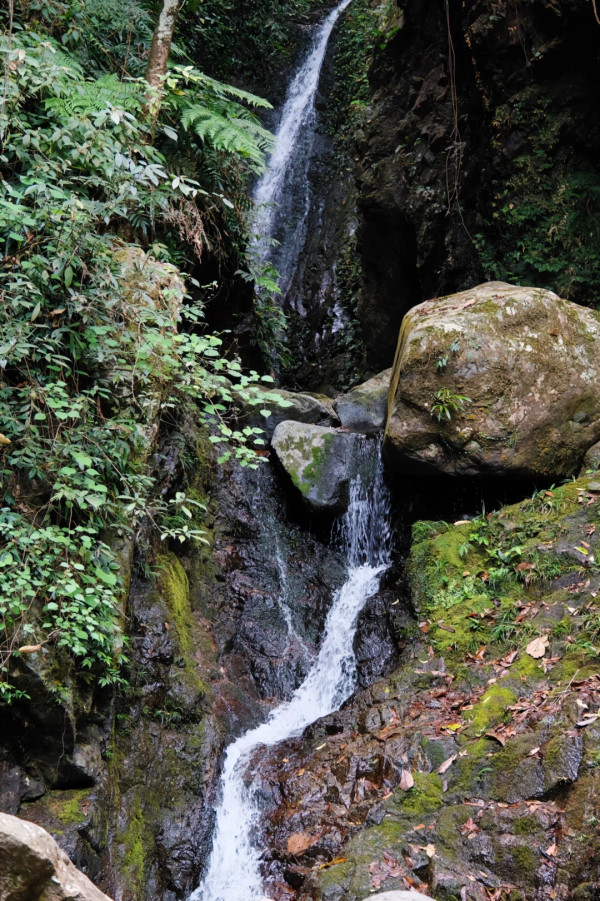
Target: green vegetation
{"type": "Point", "coordinates": [100, 343]}
{"type": "Point", "coordinates": [248, 42]}
{"type": "Point", "coordinates": [445, 403]}
{"type": "Point", "coordinates": [545, 225]}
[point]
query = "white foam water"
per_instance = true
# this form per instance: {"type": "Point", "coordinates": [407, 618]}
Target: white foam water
{"type": "Point", "coordinates": [282, 195]}
{"type": "Point", "coordinates": [233, 870]}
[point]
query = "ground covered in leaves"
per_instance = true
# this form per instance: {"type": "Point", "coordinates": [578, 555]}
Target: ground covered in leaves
{"type": "Point", "coordinates": [472, 772]}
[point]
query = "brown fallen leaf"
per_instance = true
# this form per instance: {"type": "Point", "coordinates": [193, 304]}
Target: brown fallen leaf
{"type": "Point", "coordinates": [429, 850]}
{"type": "Point", "coordinates": [446, 764]}
{"type": "Point", "coordinates": [30, 649]}
{"type": "Point", "coordinates": [469, 828]}
{"type": "Point", "coordinates": [497, 736]}
{"type": "Point", "coordinates": [588, 719]}
{"type": "Point", "coordinates": [552, 851]}
{"type": "Point", "coordinates": [406, 780]}
{"type": "Point", "coordinates": [299, 842]}
{"type": "Point", "coordinates": [537, 647]}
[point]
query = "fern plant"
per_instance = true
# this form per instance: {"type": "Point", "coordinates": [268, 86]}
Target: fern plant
{"type": "Point", "coordinates": [220, 115]}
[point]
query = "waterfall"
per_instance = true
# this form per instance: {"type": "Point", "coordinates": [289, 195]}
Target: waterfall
{"type": "Point", "coordinates": [282, 195]}
{"type": "Point", "coordinates": [233, 871]}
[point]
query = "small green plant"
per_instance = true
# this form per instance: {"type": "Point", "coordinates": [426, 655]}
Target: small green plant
{"type": "Point", "coordinates": [445, 403]}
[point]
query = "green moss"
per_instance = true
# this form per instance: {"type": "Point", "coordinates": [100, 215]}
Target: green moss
{"type": "Point", "coordinates": [424, 797]}
{"type": "Point", "coordinates": [527, 668]}
{"type": "Point", "coordinates": [468, 772]}
{"type": "Point", "coordinates": [526, 825]}
{"type": "Point", "coordinates": [58, 808]}
{"type": "Point", "coordinates": [490, 710]}
{"type": "Point", "coordinates": [312, 473]}
{"type": "Point", "coordinates": [175, 590]}
{"type": "Point", "coordinates": [134, 858]}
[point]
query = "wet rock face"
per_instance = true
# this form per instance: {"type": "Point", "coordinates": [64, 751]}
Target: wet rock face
{"type": "Point", "coordinates": [498, 380]}
{"type": "Point", "coordinates": [33, 867]}
{"type": "Point", "coordinates": [471, 771]}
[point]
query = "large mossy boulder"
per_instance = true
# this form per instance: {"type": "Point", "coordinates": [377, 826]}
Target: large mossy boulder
{"type": "Point", "coordinates": [33, 867]}
{"type": "Point", "coordinates": [498, 380]}
{"type": "Point", "coordinates": [364, 409]}
{"type": "Point", "coordinates": [320, 461]}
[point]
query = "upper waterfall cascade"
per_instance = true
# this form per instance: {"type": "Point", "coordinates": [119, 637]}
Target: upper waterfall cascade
{"type": "Point", "coordinates": [282, 195]}
{"type": "Point", "coordinates": [233, 870]}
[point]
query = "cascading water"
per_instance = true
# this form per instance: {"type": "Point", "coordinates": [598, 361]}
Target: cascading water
{"type": "Point", "coordinates": [282, 195]}
{"type": "Point", "coordinates": [233, 871]}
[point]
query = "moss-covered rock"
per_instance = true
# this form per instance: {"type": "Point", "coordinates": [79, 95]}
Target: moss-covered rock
{"type": "Point", "coordinates": [320, 462]}
{"type": "Point", "coordinates": [498, 380]}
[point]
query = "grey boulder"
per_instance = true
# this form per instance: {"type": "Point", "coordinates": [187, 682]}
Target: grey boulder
{"type": "Point", "coordinates": [499, 380]}
{"type": "Point", "coordinates": [364, 408]}
{"type": "Point", "coordinates": [320, 462]}
{"type": "Point", "coordinates": [34, 868]}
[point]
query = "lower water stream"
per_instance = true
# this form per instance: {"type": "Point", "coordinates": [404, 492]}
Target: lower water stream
{"type": "Point", "coordinates": [233, 869]}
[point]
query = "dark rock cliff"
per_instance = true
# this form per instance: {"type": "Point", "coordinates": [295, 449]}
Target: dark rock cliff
{"type": "Point", "coordinates": [475, 157]}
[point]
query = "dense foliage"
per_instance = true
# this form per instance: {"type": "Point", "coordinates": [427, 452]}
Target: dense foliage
{"type": "Point", "coordinates": [97, 335]}
{"type": "Point", "coordinates": [249, 42]}
{"type": "Point", "coordinates": [545, 223]}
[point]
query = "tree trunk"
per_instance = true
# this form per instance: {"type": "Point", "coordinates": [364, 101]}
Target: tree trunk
{"type": "Point", "coordinates": [159, 54]}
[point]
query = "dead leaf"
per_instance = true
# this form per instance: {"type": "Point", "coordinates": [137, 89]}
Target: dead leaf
{"type": "Point", "coordinates": [552, 851]}
{"type": "Point", "coordinates": [429, 851]}
{"type": "Point", "coordinates": [406, 780]}
{"type": "Point", "coordinates": [446, 764]}
{"type": "Point", "coordinates": [497, 736]}
{"type": "Point", "coordinates": [4, 439]}
{"type": "Point", "coordinates": [508, 660]}
{"type": "Point", "coordinates": [588, 719]}
{"type": "Point", "coordinates": [30, 649]}
{"type": "Point", "coordinates": [299, 842]}
{"type": "Point", "coordinates": [537, 647]}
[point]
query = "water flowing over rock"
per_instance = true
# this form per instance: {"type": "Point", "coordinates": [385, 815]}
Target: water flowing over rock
{"type": "Point", "coordinates": [283, 193]}
{"type": "Point", "coordinates": [498, 380]}
{"type": "Point", "coordinates": [233, 870]}
{"type": "Point", "coordinates": [320, 461]}
{"type": "Point", "coordinates": [33, 867]}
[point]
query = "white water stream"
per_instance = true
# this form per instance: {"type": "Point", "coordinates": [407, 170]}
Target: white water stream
{"type": "Point", "coordinates": [233, 871]}
{"type": "Point", "coordinates": [282, 195]}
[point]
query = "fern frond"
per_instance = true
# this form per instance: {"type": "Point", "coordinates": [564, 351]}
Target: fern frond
{"type": "Point", "coordinates": [219, 89]}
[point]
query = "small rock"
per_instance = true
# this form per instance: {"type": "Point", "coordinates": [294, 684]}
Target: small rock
{"type": "Point", "coordinates": [364, 409]}
{"type": "Point", "coordinates": [300, 408]}
{"type": "Point", "coordinates": [320, 461]}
